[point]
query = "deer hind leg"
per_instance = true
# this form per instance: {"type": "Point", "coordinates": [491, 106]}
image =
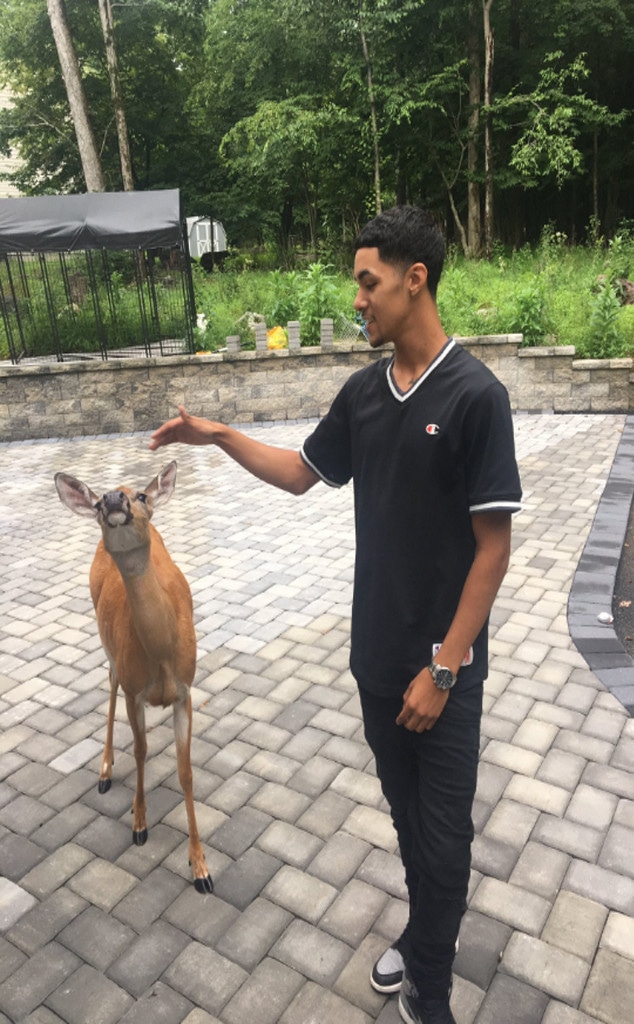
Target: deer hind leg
{"type": "Point", "coordinates": [136, 716]}
{"type": "Point", "coordinates": [107, 761]}
{"type": "Point", "coordinates": [183, 733]}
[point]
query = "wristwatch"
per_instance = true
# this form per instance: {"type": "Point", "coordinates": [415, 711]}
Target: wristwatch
{"type": "Point", "coordinates": [444, 678]}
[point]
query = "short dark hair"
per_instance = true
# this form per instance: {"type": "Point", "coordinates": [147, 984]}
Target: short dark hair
{"type": "Point", "coordinates": [405, 235]}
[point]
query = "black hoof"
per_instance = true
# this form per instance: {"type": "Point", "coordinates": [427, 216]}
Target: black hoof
{"type": "Point", "coordinates": [204, 884]}
{"type": "Point", "coordinates": [139, 838]}
{"type": "Point", "coordinates": [104, 785]}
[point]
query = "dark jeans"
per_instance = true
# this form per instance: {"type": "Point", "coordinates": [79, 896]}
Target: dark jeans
{"type": "Point", "coordinates": [429, 781]}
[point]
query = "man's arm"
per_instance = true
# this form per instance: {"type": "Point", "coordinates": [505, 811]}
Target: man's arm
{"type": "Point", "coordinates": [281, 467]}
{"type": "Point", "coordinates": [423, 702]}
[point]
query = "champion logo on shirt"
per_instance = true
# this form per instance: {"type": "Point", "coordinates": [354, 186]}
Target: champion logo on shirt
{"type": "Point", "coordinates": [432, 428]}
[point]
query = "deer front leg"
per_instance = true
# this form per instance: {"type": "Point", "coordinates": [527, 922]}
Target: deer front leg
{"type": "Point", "coordinates": [136, 716]}
{"type": "Point", "coordinates": [183, 733]}
{"type": "Point", "coordinates": [107, 761]}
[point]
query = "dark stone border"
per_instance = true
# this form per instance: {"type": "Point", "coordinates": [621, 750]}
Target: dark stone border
{"type": "Point", "coordinates": [594, 581]}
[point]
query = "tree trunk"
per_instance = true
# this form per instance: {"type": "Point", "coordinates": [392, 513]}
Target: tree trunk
{"type": "Point", "coordinates": [474, 225]}
{"type": "Point", "coordinates": [373, 117]}
{"type": "Point", "coordinates": [107, 25]}
{"type": "Point", "coordinates": [488, 127]}
{"type": "Point", "coordinates": [595, 180]}
{"type": "Point", "coordinates": [90, 161]}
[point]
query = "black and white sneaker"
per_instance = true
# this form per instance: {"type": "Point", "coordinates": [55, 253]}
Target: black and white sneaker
{"type": "Point", "coordinates": [387, 973]}
{"type": "Point", "coordinates": [415, 1010]}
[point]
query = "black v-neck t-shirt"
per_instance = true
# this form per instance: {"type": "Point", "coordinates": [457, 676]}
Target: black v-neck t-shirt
{"type": "Point", "coordinates": [422, 463]}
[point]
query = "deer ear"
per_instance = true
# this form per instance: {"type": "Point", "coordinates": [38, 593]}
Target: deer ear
{"type": "Point", "coordinates": [76, 495]}
{"type": "Point", "coordinates": [162, 487]}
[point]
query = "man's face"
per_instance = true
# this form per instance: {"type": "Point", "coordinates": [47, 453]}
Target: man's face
{"type": "Point", "coordinates": [383, 299]}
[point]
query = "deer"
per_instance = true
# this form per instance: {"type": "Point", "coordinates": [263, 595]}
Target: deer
{"type": "Point", "coordinates": [144, 611]}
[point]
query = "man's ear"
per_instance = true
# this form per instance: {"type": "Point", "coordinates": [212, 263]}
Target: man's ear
{"type": "Point", "coordinates": [417, 278]}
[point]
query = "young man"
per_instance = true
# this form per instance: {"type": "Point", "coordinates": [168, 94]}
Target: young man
{"type": "Point", "coordinates": [426, 436]}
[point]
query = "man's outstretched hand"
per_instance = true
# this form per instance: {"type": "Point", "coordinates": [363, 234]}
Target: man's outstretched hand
{"type": "Point", "coordinates": [184, 429]}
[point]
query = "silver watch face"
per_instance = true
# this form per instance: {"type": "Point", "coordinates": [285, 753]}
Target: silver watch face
{"type": "Point", "coordinates": [443, 677]}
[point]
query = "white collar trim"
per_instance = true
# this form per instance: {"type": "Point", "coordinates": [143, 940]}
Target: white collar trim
{"type": "Point", "coordinates": [403, 396]}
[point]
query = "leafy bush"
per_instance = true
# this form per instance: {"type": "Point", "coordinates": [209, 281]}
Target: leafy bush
{"type": "Point", "coordinates": [531, 317]}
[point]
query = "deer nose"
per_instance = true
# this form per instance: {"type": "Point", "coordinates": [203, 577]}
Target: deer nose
{"type": "Point", "coordinates": [115, 501]}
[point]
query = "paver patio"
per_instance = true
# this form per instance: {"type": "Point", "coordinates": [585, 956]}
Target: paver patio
{"type": "Point", "coordinates": [308, 884]}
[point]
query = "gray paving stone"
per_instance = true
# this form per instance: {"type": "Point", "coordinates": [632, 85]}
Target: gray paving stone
{"type": "Point", "coordinates": [603, 886]}
{"type": "Point", "coordinates": [562, 769]}
{"type": "Point", "coordinates": [87, 987]}
{"type": "Point", "coordinates": [613, 780]}
{"type": "Point", "coordinates": [289, 844]}
{"type": "Point", "coordinates": [493, 857]}
{"type": "Point", "coordinates": [149, 898]}
{"type": "Point", "coordinates": [352, 983]}
{"type": "Point", "coordinates": [248, 940]}
{"type": "Point", "coordinates": [511, 823]}
{"type": "Point", "coordinates": [338, 860]}
{"type": "Point", "coordinates": [34, 779]}
{"type": "Point", "coordinates": [555, 972]}
{"type": "Point", "coordinates": [234, 792]}
{"type": "Point", "coordinates": [482, 943]}
{"type": "Point", "coordinates": [202, 916]}
{"type": "Point", "coordinates": [623, 756]}
{"type": "Point", "coordinates": [10, 959]}
{"type": "Point", "coordinates": [96, 937]}
{"type": "Point", "coordinates": [265, 995]}
{"type": "Point", "coordinates": [70, 789]}
{"type": "Point", "coordinates": [141, 861]}
{"type": "Point", "coordinates": [592, 807]}
{"type": "Point", "coordinates": [575, 924]}
{"type": "Point", "coordinates": [242, 880]}
{"type": "Point", "coordinates": [585, 746]}
{"type": "Point", "coordinates": [353, 913]}
{"type": "Point", "coordinates": [511, 905]}
{"type": "Point", "coordinates": [315, 1003]}
{"type": "Point", "coordinates": [240, 831]}
{"type": "Point", "coordinates": [18, 855]}
{"type": "Point", "coordinates": [609, 994]}
{"type": "Point", "coordinates": [311, 952]}
{"type": "Point", "coordinates": [301, 894]}
{"type": "Point", "coordinates": [102, 883]}
{"type": "Point", "coordinates": [384, 871]}
{"type": "Point", "coordinates": [280, 801]}
{"type": "Point", "coordinates": [35, 979]}
{"type": "Point", "coordinates": [618, 935]}
{"type": "Point", "coordinates": [559, 1013]}
{"type": "Point", "coordinates": [55, 869]}
{"type": "Point", "coordinates": [268, 764]}
{"type": "Point", "coordinates": [206, 978]}
{"type": "Point", "coordinates": [145, 959]}
{"type": "Point", "coordinates": [43, 922]}
{"type": "Point", "coordinates": [326, 814]}
{"type": "Point", "coordinates": [24, 815]}
{"type": "Point", "coordinates": [315, 776]}
{"type": "Point", "coordinates": [42, 1015]}
{"type": "Point", "coordinates": [540, 869]}
{"type": "Point", "coordinates": [160, 1005]}
{"type": "Point", "coordinates": [616, 854]}
{"type": "Point", "coordinates": [513, 1002]}
{"type": "Point", "coordinates": [103, 837]}
{"type": "Point", "coordinates": [577, 840]}
{"type": "Point", "coordinates": [64, 827]}
{"type": "Point", "coordinates": [541, 795]}
{"type": "Point", "coordinates": [14, 903]}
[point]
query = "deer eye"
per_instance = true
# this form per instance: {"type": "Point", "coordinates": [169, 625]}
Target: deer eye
{"type": "Point", "coordinates": [142, 498]}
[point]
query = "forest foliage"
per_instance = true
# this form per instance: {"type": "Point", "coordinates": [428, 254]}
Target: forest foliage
{"type": "Point", "coordinates": [293, 121]}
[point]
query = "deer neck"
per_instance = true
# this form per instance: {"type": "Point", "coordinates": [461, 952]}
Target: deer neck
{"type": "Point", "coordinates": [150, 607]}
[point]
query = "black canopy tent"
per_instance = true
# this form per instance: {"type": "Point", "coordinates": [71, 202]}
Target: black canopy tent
{"type": "Point", "coordinates": [72, 266]}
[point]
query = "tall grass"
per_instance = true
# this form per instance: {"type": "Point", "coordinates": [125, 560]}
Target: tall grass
{"type": "Point", "coordinates": [555, 294]}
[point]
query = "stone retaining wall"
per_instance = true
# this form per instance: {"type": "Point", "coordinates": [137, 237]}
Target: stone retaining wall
{"type": "Point", "coordinates": [119, 396]}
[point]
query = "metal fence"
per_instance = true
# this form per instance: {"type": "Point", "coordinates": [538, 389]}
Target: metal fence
{"type": "Point", "coordinates": [95, 304]}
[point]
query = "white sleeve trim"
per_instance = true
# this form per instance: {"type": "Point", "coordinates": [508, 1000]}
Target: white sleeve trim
{"type": "Point", "coordinates": [497, 506]}
{"type": "Point", "coordinates": [311, 465]}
